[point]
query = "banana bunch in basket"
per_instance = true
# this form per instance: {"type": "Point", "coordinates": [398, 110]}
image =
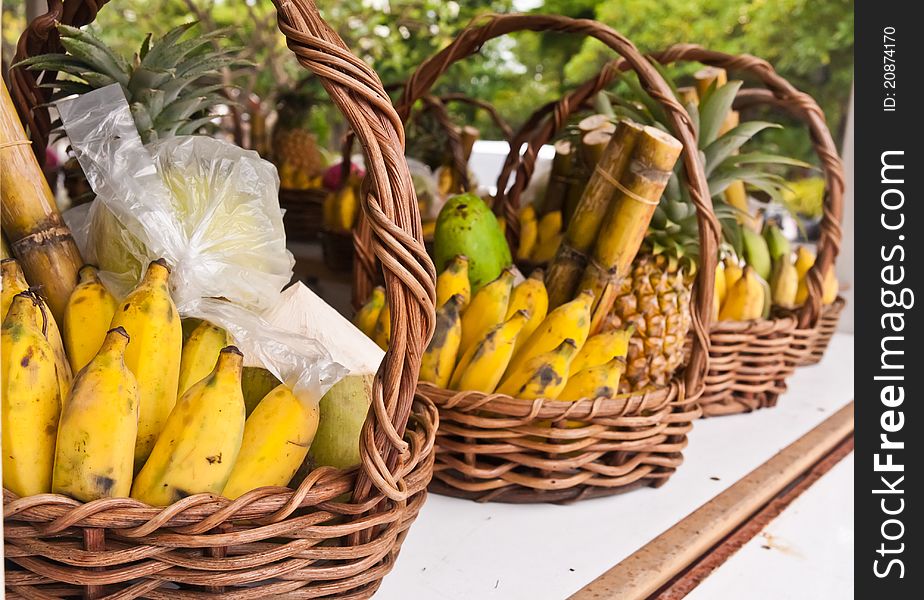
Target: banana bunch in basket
{"type": "Point", "coordinates": [504, 340]}
{"type": "Point", "coordinates": [119, 406]}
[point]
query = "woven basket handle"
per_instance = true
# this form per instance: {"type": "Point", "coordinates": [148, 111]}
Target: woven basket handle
{"type": "Point", "coordinates": [473, 37]}
{"type": "Point", "coordinates": [391, 212]}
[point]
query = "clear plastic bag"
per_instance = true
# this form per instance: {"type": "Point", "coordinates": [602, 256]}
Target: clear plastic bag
{"type": "Point", "coordinates": [211, 210]}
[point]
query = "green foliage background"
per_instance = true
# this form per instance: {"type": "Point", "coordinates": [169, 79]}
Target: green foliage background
{"type": "Point", "coordinates": [809, 41]}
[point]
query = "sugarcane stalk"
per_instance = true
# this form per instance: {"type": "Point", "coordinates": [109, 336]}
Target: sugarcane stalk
{"type": "Point", "coordinates": [4, 248]}
{"type": "Point", "coordinates": [559, 177]}
{"type": "Point", "coordinates": [565, 271]}
{"type": "Point", "coordinates": [688, 95]}
{"type": "Point", "coordinates": [706, 76]}
{"type": "Point", "coordinates": [37, 235]}
{"type": "Point", "coordinates": [594, 143]}
{"type": "Point", "coordinates": [626, 222]}
{"type": "Point", "coordinates": [468, 136]}
{"type": "Point", "coordinates": [597, 121]}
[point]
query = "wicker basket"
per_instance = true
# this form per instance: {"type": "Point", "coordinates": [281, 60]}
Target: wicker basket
{"type": "Point", "coordinates": [303, 210]}
{"type": "Point", "coordinates": [492, 447]}
{"type": "Point", "coordinates": [749, 362]}
{"type": "Point", "coordinates": [338, 533]}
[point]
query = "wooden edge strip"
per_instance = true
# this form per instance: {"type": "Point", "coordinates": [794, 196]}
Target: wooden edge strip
{"type": "Point", "coordinates": [648, 569]}
{"type": "Point", "coordinates": [686, 581]}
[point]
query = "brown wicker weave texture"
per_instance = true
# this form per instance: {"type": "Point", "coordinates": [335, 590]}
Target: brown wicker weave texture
{"type": "Point", "coordinates": [303, 543]}
{"type": "Point", "coordinates": [749, 362]}
{"type": "Point", "coordinates": [366, 273]}
{"type": "Point", "coordinates": [498, 448]}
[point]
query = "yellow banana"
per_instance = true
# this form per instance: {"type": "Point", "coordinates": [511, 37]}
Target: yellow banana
{"type": "Point", "coordinates": [154, 350]}
{"type": "Point", "coordinates": [549, 227]}
{"type": "Point", "coordinates": [732, 272]}
{"type": "Point", "coordinates": [200, 441]}
{"type": "Point", "coordinates": [367, 315]}
{"type": "Point", "coordinates": [276, 439]}
{"type": "Point", "coordinates": [483, 364]}
{"type": "Point", "coordinates": [486, 310]}
{"type": "Point", "coordinates": [546, 251]}
{"type": "Point", "coordinates": [570, 320]}
{"type": "Point", "coordinates": [746, 298]}
{"type": "Point", "coordinates": [30, 396]}
{"type": "Point", "coordinates": [601, 348]}
{"type": "Point", "coordinates": [14, 282]}
{"type": "Point", "coordinates": [440, 357]}
{"type": "Point", "coordinates": [784, 282]}
{"type": "Point", "coordinates": [454, 280]}
{"type": "Point", "coordinates": [199, 355]}
{"type": "Point", "coordinates": [805, 260]}
{"type": "Point", "coordinates": [830, 287]}
{"type": "Point", "coordinates": [502, 224]}
{"type": "Point", "coordinates": [381, 333]}
{"type": "Point", "coordinates": [87, 317]}
{"type": "Point", "coordinates": [532, 297]}
{"type": "Point", "coordinates": [95, 452]}
{"type": "Point", "coordinates": [529, 231]}
{"type": "Point", "coordinates": [598, 381]}
{"type": "Point", "coordinates": [543, 376]}
{"type": "Point", "coordinates": [720, 282]}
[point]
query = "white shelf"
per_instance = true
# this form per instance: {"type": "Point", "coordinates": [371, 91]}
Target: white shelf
{"type": "Point", "coordinates": [462, 550]}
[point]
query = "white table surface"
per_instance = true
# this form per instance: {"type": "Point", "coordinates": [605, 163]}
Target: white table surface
{"type": "Point", "coordinates": [462, 550]}
{"type": "Point", "coordinates": [805, 553]}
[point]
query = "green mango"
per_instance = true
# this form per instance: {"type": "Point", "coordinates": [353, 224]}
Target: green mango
{"type": "Point", "coordinates": [343, 412]}
{"type": "Point", "coordinates": [467, 226]}
{"type": "Point", "coordinates": [756, 253]}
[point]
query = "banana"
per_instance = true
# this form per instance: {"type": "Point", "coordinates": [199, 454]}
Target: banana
{"type": "Point", "coordinates": [529, 231]}
{"type": "Point", "coordinates": [570, 320]}
{"type": "Point", "coordinates": [756, 253]}
{"type": "Point", "coordinates": [598, 381]}
{"type": "Point", "coordinates": [367, 316]}
{"type": "Point", "coordinates": [199, 355]}
{"type": "Point", "coordinates": [746, 299]}
{"type": "Point", "coordinates": [276, 439]}
{"type": "Point", "coordinates": [732, 272]}
{"type": "Point", "coordinates": [543, 376]}
{"type": "Point", "coordinates": [341, 208]}
{"type": "Point", "coordinates": [14, 282]}
{"type": "Point", "coordinates": [381, 333]}
{"type": "Point", "coordinates": [830, 287]}
{"type": "Point", "coordinates": [483, 364]}
{"type": "Point", "coordinates": [155, 346]}
{"type": "Point", "coordinates": [200, 441]}
{"type": "Point", "coordinates": [256, 382]}
{"type": "Point", "coordinates": [720, 285]}
{"type": "Point", "coordinates": [454, 280]}
{"type": "Point", "coordinates": [777, 244]}
{"type": "Point", "coordinates": [784, 283]}
{"type": "Point", "coordinates": [502, 224]}
{"type": "Point", "coordinates": [805, 259]}
{"type": "Point", "coordinates": [549, 227]}
{"type": "Point", "coordinates": [95, 452]}
{"type": "Point", "coordinates": [87, 317]}
{"type": "Point", "coordinates": [440, 357]}
{"type": "Point", "coordinates": [30, 396]}
{"type": "Point", "coordinates": [602, 348]}
{"type": "Point", "coordinates": [532, 297]}
{"type": "Point", "coordinates": [486, 310]}
{"type": "Point", "coordinates": [546, 251]}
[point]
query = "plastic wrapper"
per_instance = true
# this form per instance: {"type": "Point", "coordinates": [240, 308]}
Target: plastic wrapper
{"type": "Point", "coordinates": [211, 210]}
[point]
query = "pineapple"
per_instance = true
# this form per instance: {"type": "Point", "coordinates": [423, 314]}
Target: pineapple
{"type": "Point", "coordinates": [295, 148]}
{"type": "Point", "coordinates": [656, 297]}
{"type": "Point", "coordinates": [164, 83]}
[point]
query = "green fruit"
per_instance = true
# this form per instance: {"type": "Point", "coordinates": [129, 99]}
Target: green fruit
{"type": "Point", "coordinates": [343, 412]}
{"type": "Point", "coordinates": [777, 243]}
{"type": "Point", "coordinates": [467, 226]}
{"type": "Point", "coordinates": [256, 382]}
{"type": "Point", "coordinates": [756, 253]}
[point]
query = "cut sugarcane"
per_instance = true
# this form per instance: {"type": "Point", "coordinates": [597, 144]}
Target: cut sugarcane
{"type": "Point", "coordinates": [559, 177]}
{"type": "Point", "coordinates": [37, 235]}
{"type": "Point", "coordinates": [565, 271]}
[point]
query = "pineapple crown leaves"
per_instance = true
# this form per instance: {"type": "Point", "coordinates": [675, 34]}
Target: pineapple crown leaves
{"type": "Point", "coordinates": [162, 82]}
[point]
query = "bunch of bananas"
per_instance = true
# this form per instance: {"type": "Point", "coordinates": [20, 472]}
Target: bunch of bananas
{"type": "Point", "coordinates": [504, 340]}
{"type": "Point", "coordinates": [341, 207]}
{"type": "Point", "coordinates": [539, 237]}
{"type": "Point", "coordinates": [745, 294]}
{"type": "Point", "coordinates": [144, 415]}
